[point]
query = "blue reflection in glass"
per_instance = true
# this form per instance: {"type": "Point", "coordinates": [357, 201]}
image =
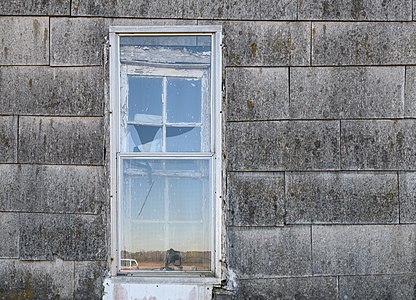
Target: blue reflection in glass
{"type": "Point", "coordinates": [145, 99]}
{"type": "Point", "coordinates": [184, 100]}
{"type": "Point", "coordinates": [183, 139]}
{"type": "Point", "coordinates": [144, 138]}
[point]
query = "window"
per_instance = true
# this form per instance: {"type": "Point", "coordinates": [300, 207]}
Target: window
{"type": "Point", "coordinates": [166, 150]}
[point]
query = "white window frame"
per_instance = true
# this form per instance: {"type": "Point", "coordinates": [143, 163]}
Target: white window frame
{"type": "Point", "coordinates": [216, 140]}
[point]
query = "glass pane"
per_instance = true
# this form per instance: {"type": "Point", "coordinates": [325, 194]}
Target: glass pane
{"type": "Point", "coordinates": [166, 213]}
{"type": "Point", "coordinates": [184, 100]}
{"type": "Point", "coordinates": [145, 99]}
{"type": "Point", "coordinates": [144, 138]}
{"type": "Point", "coordinates": [183, 139]}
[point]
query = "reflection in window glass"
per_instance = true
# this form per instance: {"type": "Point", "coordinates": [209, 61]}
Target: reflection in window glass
{"type": "Point", "coordinates": [184, 100]}
{"type": "Point", "coordinates": [144, 138]}
{"type": "Point", "coordinates": [167, 206]}
{"type": "Point", "coordinates": [145, 99]}
{"type": "Point", "coordinates": [183, 139]}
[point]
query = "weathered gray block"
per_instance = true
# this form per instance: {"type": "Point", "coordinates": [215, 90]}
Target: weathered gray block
{"type": "Point", "coordinates": [128, 8]}
{"type": "Point", "coordinates": [256, 199]}
{"type": "Point", "coordinates": [283, 145]}
{"type": "Point", "coordinates": [24, 41]}
{"type": "Point", "coordinates": [375, 43]}
{"type": "Point", "coordinates": [63, 189]}
{"type": "Point", "coordinates": [257, 93]}
{"type": "Point", "coordinates": [392, 287]}
{"type": "Point", "coordinates": [78, 41]}
{"type": "Point", "coordinates": [363, 250]}
{"type": "Point", "coordinates": [61, 140]}
{"type": "Point", "coordinates": [378, 144]}
{"type": "Point", "coordinates": [283, 251]}
{"type": "Point", "coordinates": [233, 9]}
{"type": "Point", "coordinates": [332, 198]}
{"type": "Point", "coordinates": [267, 43]}
{"type": "Point", "coordinates": [89, 277]}
{"type": "Point", "coordinates": [36, 280]}
{"type": "Point", "coordinates": [410, 93]}
{"type": "Point", "coordinates": [35, 7]}
{"type": "Point", "coordinates": [353, 92]}
{"type": "Point", "coordinates": [9, 235]}
{"type": "Point", "coordinates": [393, 10]}
{"type": "Point", "coordinates": [8, 139]}
{"type": "Point", "coordinates": [288, 288]}
{"type": "Point", "coordinates": [52, 91]}
{"type": "Point", "coordinates": [70, 237]}
{"type": "Point", "coordinates": [407, 182]}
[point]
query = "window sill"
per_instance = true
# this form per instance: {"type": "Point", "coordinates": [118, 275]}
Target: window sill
{"type": "Point", "coordinates": [129, 287]}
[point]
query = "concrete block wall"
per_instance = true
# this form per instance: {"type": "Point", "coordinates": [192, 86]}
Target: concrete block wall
{"type": "Point", "coordinates": [319, 143]}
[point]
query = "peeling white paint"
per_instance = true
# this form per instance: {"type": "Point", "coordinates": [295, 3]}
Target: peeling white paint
{"type": "Point", "coordinates": [231, 280]}
{"type": "Point", "coordinates": [136, 291]}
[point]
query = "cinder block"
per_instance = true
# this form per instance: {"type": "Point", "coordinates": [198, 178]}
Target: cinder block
{"type": "Point", "coordinates": [256, 199]}
{"type": "Point", "coordinates": [392, 287]}
{"type": "Point", "coordinates": [89, 277]}
{"type": "Point", "coordinates": [363, 43]}
{"type": "Point", "coordinates": [288, 288]}
{"type": "Point", "coordinates": [128, 8]}
{"type": "Point", "coordinates": [410, 96]}
{"type": "Point", "coordinates": [52, 91]}
{"type": "Point", "coordinates": [233, 9]}
{"type": "Point", "coordinates": [393, 10]}
{"type": "Point", "coordinates": [36, 280]}
{"type": "Point", "coordinates": [35, 7]}
{"type": "Point", "coordinates": [378, 144]}
{"type": "Point", "coordinates": [24, 41]}
{"type": "Point", "coordinates": [77, 41]}
{"type": "Point", "coordinates": [88, 237]}
{"type": "Point", "coordinates": [61, 140]}
{"type": "Point", "coordinates": [283, 145]}
{"type": "Point", "coordinates": [407, 182]}
{"type": "Point", "coordinates": [257, 93]}
{"type": "Point", "coordinates": [63, 189]}
{"type": "Point", "coordinates": [332, 198]}
{"type": "Point", "coordinates": [205, 9]}
{"type": "Point", "coordinates": [267, 43]}
{"type": "Point", "coordinates": [283, 251]}
{"type": "Point", "coordinates": [9, 235]}
{"type": "Point", "coordinates": [353, 92]}
{"type": "Point", "coordinates": [8, 139]}
{"type": "Point", "coordinates": [70, 237]}
{"type": "Point", "coordinates": [363, 250]}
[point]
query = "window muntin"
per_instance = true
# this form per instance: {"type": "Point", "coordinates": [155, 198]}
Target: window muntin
{"type": "Point", "coordinates": [168, 158]}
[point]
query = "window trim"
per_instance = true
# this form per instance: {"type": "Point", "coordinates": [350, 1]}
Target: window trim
{"type": "Point", "coordinates": [216, 141]}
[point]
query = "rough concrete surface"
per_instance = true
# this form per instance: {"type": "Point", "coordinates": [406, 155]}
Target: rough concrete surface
{"type": "Point", "coordinates": [363, 43]}
{"type": "Point", "coordinates": [8, 139]}
{"type": "Point", "coordinates": [52, 91]}
{"type": "Point", "coordinates": [283, 145]}
{"type": "Point", "coordinates": [347, 92]}
{"type": "Point", "coordinates": [381, 10]}
{"type": "Point", "coordinates": [267, 43]}
{"type": "Point", "coordinates": [61, 140]}
{"type": "Point", "coordinates": [378, 144]}
{"type": "Point", "coordinates": [363, 250]}
{"type": "Point", "coordinates": [256, 199]}
{"type": "Point", "coordinates": [24, 41]}
{"type": "Point", "coordinates": [342, 198]}
{"type": "Point", "coordinates": [52, 188]}
{"type": "Point", "coordinates": [259, 253]}
{"type": "Point", "coordinates": [257, 93]}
